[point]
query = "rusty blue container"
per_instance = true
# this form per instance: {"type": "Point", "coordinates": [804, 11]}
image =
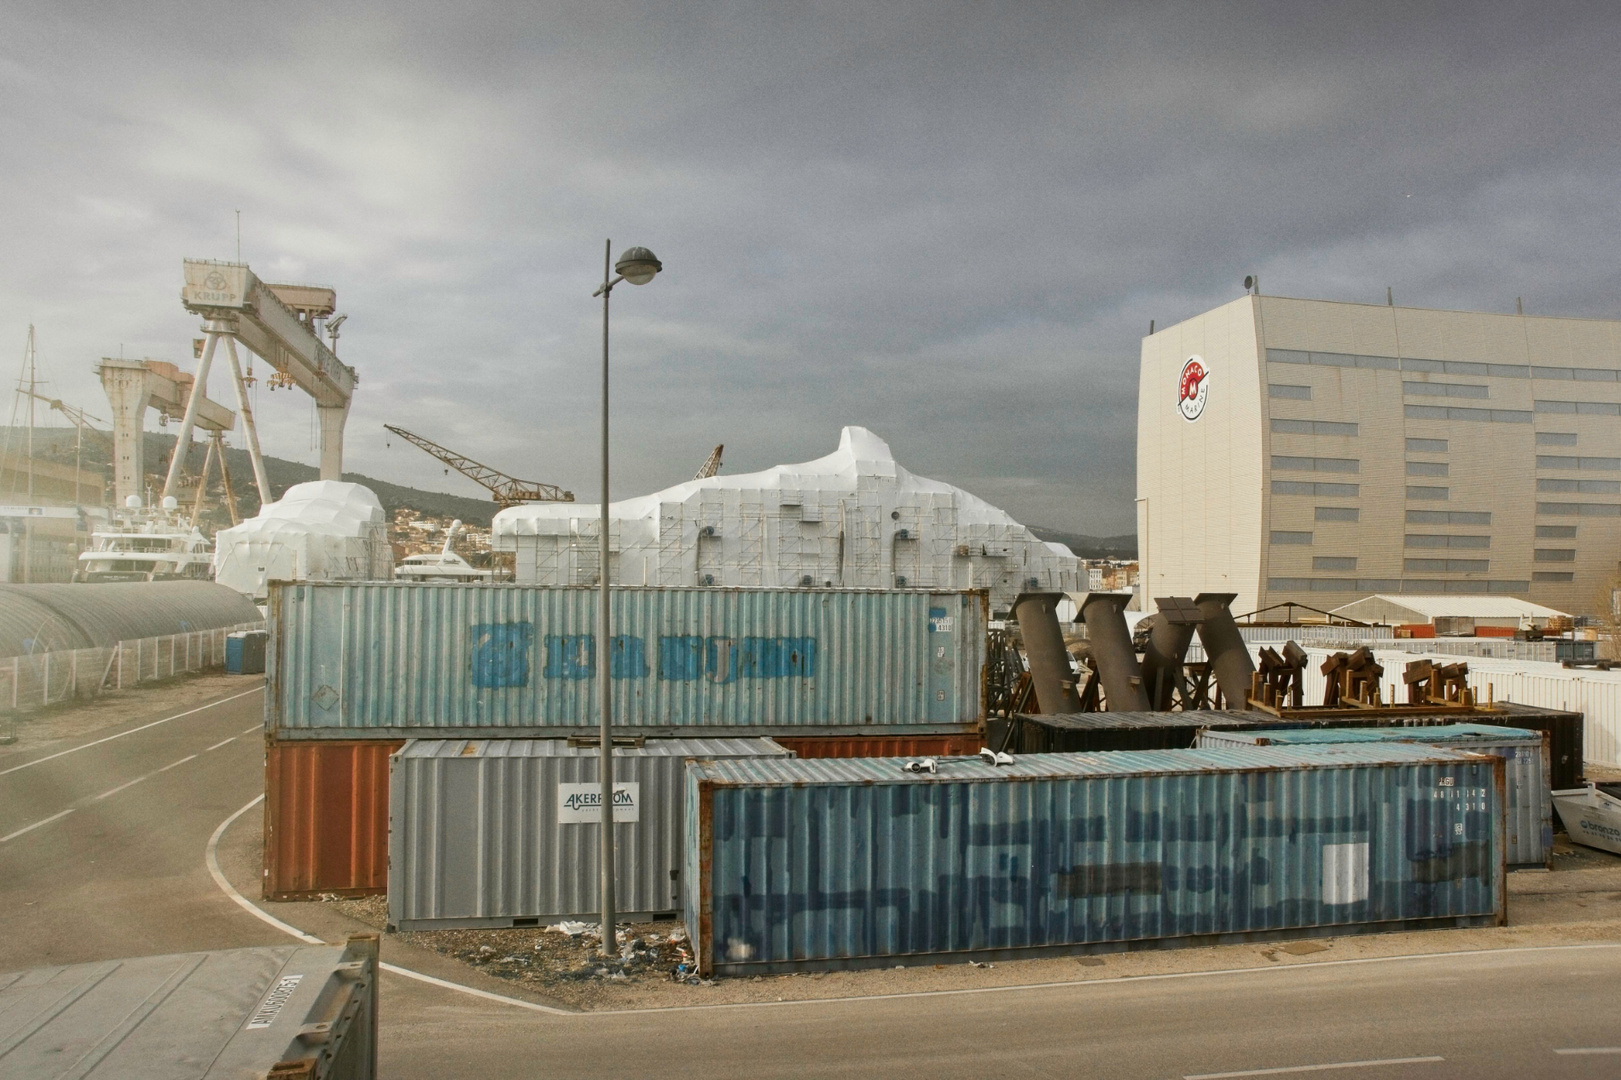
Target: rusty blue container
{"type": "Point", "coordinates": [1528, 794]}
{"type": "Point", "coordinates": [829, 863]}
{"type": "Point", "coordinates": [400, 660]}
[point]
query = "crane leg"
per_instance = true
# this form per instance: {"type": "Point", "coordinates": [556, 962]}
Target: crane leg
{"type": "Point", "coordinates": [249, 428]}
{"type": "Point", "coordinates": [182, 442]}
{"type": "Point", "coordinates": [332, 418]}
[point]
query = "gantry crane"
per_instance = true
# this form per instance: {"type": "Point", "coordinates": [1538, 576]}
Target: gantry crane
{"type": "Point", "coordinates": [711, 464]}
{"type": "Point", "coordinates": [80, 420]}
{"type": "Point", "coordinates": [506, 490]}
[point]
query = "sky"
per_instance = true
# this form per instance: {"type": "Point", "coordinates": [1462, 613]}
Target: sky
{"type": "Point", "coordinates": [948, 222]}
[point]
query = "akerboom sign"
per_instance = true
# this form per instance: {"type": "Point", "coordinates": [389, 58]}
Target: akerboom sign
{"type": "Point", "coordinates": [581, 804]}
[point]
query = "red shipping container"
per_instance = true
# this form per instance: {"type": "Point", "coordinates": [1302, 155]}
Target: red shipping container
{"type": "Point", "coordinates": [326, 818]}
{"type": "Point", "coordinates": [1416, 630]}
{"type": "Point", "coordinates": [865, 746]}
{"type": "Point", "coordinates": [1494, 631]}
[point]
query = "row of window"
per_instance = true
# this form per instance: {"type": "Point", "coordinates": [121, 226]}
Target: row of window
{"type": "Point", "coordinates": [1418, 540]}
{"type": "Point", "coordinates": [1579, 509]}
{"type": "Point", "coordinates": [1397, 585]}
{"type": "Point", "coordinates": [1428, 468]}
{"type": "Point", "coordinates": [1315, 464]}
{"type": "Point", "coordinates": [1446, 389]}
{"type": "Point", "coordinates": [1444, 367]}
{"type": "Point", "coordinates": [1584, 408]}
{"type": "Point", "coordinates": [1312, 427]}
{"type": "Point", "coordinates": [1457, 412]}
{"type": "Point", "coordinates": [1552, 575]}
{"type": "Point", "coordinates": [1306, 487]}
{"type": "Point", "coordinates": [1583, 487]}
{"type": "Point", "coordinates": [1556, 461]}
{"type": "Point", "coordinates": [1555, 555]}
{"type": "Point", "coordinates": [1428, 493]}
{"type": "Point", "coordinates": [1556, 438]}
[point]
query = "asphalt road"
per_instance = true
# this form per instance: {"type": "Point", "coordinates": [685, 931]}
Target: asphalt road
{"type": "Point", "coordinates": [102, 855]}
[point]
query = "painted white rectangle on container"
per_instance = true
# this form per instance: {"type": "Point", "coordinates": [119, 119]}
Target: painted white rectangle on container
{"type": "Point", "coordinates": [1345, 873]}
{"type": "Point", "coordinates": [581, 804]}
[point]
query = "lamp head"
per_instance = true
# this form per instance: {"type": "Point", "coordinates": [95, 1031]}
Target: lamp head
{"type": "Point", "coordinates": [638, 265]}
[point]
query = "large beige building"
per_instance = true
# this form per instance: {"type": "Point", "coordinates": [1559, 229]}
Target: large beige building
{"type": "Point", "coordinates": [1320, 452]}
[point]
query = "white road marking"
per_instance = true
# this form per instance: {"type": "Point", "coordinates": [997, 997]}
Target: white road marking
{"type": "Point", "coordinates": [251, 730]}
{"type": "Point", "coordinates": [119, 788]}
{"type": "Point", "coordinates": [221, 743]}
{"type": "Point", "coordinates": [121, 734]}
{"type": "Point", "coordinates": [35, 825]}
{"type": "Point", "coordinates": [182, 761]}
{"type": "Point", "coordinates": [1314, 1068]}
{"type": "Point", "coordinates": [1591, 1050]}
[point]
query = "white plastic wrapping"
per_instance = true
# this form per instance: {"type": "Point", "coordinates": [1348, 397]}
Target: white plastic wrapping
{"type": "Point", "coordinates": [852, 519]}
{"type": "Point", "coordinates": [324, 530]}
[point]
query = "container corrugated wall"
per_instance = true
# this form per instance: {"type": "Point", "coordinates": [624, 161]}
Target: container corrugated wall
{"type": "Point", "coordinates": [372, 659]}
{"type": "Point", "coordinates": [326, 818]}
{"type": "Point", "coordinates": [815, 864]}
{"type": "Point", "coordinates": [1528, 799]}
{"type": "Point", "coordinates": [488, 833]}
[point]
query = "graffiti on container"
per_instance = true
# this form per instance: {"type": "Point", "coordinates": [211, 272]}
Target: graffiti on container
{"type": "Point", "coordinates": [501, 654]}
{"type": "Point", "coordinates": [500, 657]}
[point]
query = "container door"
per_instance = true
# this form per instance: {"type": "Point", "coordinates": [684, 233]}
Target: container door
{"type": "Point", "coordinates": [945, 627]}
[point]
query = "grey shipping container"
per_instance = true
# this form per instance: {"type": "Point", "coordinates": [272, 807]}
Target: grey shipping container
{"type": "Point", "coordinates": [794, 865]}
{"type": "Point", "coordinates": [380, 659]}
{"type": "Point", "coordinates": [505, 832]}
{"type": "Point", "coordinates": [296, 1011]}
{"type": "Point", "coordinates": [1056, 733]}
{"type": "Point", "coordinates": [1528, 799]}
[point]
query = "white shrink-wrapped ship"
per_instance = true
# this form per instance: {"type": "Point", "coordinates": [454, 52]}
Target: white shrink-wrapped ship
{"type": "Point", "coordinates": [324, 530]}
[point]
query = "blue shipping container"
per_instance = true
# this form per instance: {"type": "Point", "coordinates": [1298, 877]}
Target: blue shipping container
{"type": "Point", "coordinates": [793, 865]}
{"type": "Point", "coordinates": [1528, 794]}
{"type": "Point", "coordinates": [380, 659]}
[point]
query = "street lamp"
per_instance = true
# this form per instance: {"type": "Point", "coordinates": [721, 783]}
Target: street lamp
{"type": "Point", "coordinates": [638, 266]}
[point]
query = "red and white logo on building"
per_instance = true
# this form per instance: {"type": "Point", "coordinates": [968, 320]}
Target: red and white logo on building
{"type": "Point", "coordinates": [1194, 389]}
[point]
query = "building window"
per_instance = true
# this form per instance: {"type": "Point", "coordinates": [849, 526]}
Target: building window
{"type": "Point", "coordinates": [1338, 513]}
{"type": "Point", "coordinates": [1284, 463]}
{"type": "Point", "coordinates": [1430, 540]}
{"type": "Point", "coordinates": [1552, 575]}
{"type": "Point", "coordinates": [1578, 374]}
{"type": "Point", "coordinates": [1579, 509]}
{"type": "Point", "coordinates": [1552, 438]}
{"type": "Point", "coordinates": [1445, 566]}
{"type": "Point", "coordinates": [1450, 390]}
{"type": "Point", "coordinates": [1555, 555]}
{"type": "Point", "coordinates": [1456, 412]}
{"type": "Point", "coordinates": [1333, 562]}
{"type": "Point", "coordinates": [1427, 468]}
{"type": "Point", "coordinates": [1312, 427]}
{"type": "Point", "coordinates": [1556, 532]}
{"type": "Point", "coordinates": [1426, 446]}
{"type": "Point", "coordinates": [1304, 487]}
{"type": "Point", "coordinates": [1427, 492]}
{"type": "Point", "coordinates": [1448, 517]}
{"type": "Point", "coordinates": [1582, 487]}
{"type": "Point", "coordinates": [1582, 408]}
{"type": "Point", "coordinates": [1593, 464]}
{"type": "Point", "coordinates": [1284, 390]}
{"type": "Point", "coordinates": [1281, 537]}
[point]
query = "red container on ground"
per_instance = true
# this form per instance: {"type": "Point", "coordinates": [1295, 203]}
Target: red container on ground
{"type": "Point", "coordinates": [326, 818]}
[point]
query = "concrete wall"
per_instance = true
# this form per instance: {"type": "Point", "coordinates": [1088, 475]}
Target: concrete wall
{"type": "Point", "coordinates": [1200, 494]}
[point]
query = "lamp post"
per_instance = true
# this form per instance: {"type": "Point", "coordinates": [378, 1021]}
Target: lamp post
{"type": "Point", "coordinates": [638, 266]}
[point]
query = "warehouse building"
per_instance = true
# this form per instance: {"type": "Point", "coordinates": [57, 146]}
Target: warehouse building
{"type": "Point", "coordinates": [1321, 452]}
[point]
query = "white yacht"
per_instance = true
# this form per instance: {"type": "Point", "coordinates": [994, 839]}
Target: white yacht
{"type": "Point", "coordinates": [147, 544]}
{"type": "Point", "coordinates": [444, 565]}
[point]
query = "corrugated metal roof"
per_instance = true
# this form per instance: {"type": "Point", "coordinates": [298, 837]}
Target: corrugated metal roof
{"type": "Point", "coordinates": [1440, 732]}
{"type": "Point", "coordinates": [534, 748]}
{"type": "Point", "coordinates": [1463, 606]}
{"type": "Point", "coordinates": [792, 771]}
{"type": "Point", "coordinates": [42, 618]}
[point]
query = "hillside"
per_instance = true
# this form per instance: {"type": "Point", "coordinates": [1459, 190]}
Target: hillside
{"type": "Point", "coordinates": [1091, 547]}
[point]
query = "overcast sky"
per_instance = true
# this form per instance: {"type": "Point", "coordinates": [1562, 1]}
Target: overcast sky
{"type": "Point", "coordinates": [950, 223]}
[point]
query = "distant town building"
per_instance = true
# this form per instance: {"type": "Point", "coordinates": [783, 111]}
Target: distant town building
{"type": "Point", "coordinates": [852, 519]}
{"type": "Point", "coordinates": [1320, 452]}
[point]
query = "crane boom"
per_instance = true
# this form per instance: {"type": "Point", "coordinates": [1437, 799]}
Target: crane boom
{"type": "Point", "coordinates": [507, 490]}
{"type": "Point", "coordinates": [711, 464]}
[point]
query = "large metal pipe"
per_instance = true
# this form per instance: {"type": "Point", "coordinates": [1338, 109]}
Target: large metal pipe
{"type": "Point", "coordinates": [1050, 670]}
{"type": "Point", "coordinates": [1224, 646]}
{"type": "Point", "coordinates": [1112, 653]}
{"type": "Point", "coordinates": [1170, 632]}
